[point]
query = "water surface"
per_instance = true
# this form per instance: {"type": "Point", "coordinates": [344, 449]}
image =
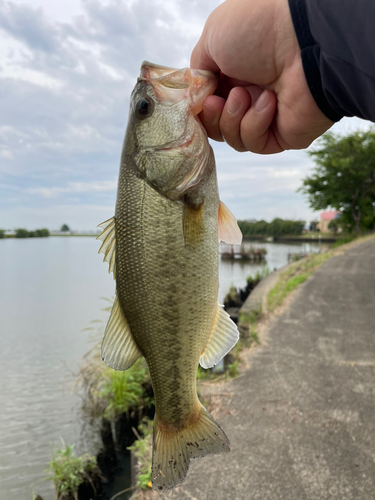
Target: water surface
{"type": "Point", "coordinates": [50, 290]}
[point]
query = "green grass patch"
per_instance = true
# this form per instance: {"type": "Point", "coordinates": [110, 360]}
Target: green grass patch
{"type": "Point", "coordinates": [67, 472]}
{"type": "Point", "coordinates": [294, 276]}
{"type": "Point", "coordinates": [142, 450]}
{"type": "Point", "coordinates": [344, 240]}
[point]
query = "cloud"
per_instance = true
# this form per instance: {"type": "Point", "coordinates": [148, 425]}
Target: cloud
{"type": "Point", "coordinates": [66, 74]}
{"type": "Point", "coordinates": [74, 187]}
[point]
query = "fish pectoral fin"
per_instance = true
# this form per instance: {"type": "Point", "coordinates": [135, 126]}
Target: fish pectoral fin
{"type": "Point", "coordinates": [108, 248]}
{"type": "Point", "coordinates": [228, 229]}
{"type": "Point", "coordinates": [119, 350]}
{"type": "Point", "coordinates": [224, 336]}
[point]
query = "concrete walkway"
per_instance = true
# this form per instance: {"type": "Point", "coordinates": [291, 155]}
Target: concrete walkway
{"type": "Point", "coordinates": [301, 419]}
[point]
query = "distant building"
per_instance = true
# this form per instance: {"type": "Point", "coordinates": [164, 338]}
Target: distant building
{"type": "Point", "coordinates": [325, 219]}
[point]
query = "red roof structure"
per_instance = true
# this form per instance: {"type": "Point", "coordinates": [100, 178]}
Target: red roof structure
{"type": "Point", "coordinates": [333, 214]}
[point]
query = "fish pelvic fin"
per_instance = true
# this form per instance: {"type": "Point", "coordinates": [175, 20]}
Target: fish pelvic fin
{"type": "Point", "coordinates": [224, 336]}
{"type": "Point", "coordinates": [119, 349]}
{"type": "Point", "coordinates": [173, 449]}
{"type": "Point", "coordinates": [228, 229]}
{"type": "Point", "coordinates": [108, 248]}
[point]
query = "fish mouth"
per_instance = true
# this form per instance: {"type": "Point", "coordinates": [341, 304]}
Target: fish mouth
{"type": "Point", "coordinates": [193, 84]}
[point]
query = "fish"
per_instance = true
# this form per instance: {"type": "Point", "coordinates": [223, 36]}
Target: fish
{"type": "Point", "coordinates": [162, 246]}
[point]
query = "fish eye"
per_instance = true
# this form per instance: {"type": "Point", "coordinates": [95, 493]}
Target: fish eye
{"type": "Point", "coordinates": [144, 107]}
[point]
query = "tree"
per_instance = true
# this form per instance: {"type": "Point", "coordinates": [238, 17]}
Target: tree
{"type": "Point", "coordinates": [314, 226]}
{"type": "Point", "coordinates": [2, 231]}
{"type": "Point", "coordinates": [22, 233]}
{"type": "Point", "coordinates": [65, 228]}
{"type": "Point", "coordinates": [333, 226]}
{"type": "Point", "coordinates": [41, 233]}
{"type": "Point", "coordinates": [344, 177]}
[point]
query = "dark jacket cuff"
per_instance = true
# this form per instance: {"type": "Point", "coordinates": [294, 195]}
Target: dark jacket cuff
{"type": "Point", "coordinates": [310, 54]}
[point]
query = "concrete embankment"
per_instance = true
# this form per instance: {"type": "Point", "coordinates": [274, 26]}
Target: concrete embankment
{"type": "Point", "coordinates": [301, 418]}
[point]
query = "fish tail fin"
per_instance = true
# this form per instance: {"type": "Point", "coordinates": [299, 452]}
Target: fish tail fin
{"type": "Point", "coordinates": [173, 449]}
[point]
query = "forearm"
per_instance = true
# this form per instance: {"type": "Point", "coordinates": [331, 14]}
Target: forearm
{"type": "Point", "coordinates": [336, 38]}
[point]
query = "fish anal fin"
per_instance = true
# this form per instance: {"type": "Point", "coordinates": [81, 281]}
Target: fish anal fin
{"type": "Point", "coordinates": [119, 350]}
{"type": "Point", "coordinates": [108, 248]}
{"type": "Point", "coordinates": [229, 232]}
{"type": "Point", "coordinates": [173, 449]}
{"type": "Point", "coordinates": [224, 336]}
{"type": "Point", "coordinates": [193, 224]}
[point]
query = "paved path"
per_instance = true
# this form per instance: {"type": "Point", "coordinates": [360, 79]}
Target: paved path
{"type": "Point", "coordinates": [303, 415]}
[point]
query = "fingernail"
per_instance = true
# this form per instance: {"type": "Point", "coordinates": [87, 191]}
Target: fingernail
{"type": "Point", "coordinates": [262, 101]}
{"type": "Point", "coordinates": [233, 104]}
{"type": "Point", "coordinates": [209, 114]}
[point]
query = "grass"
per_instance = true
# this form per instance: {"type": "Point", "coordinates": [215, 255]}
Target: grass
{"type": "Point", "coordinates": [109, 393]}
{"type": "Point", "coordinates": [344, 240]}
{"type": "Point", "coordinates": [67, 472]}
{"type": "Point", "coordinates": [123, 390]}
{"type": "Point", "coordinates": [293, 277]}
{"type": "Point", "coordinates": [142, 450]}
{"type": "Point", "coordinates": [106, 392]}
{"type": "Point", "coordinates": [297, 273]}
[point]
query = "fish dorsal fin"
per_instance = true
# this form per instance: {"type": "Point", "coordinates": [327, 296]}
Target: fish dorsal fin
{"type": "Point", "coordinates": [119, 350]}
{"type": "Point", "coordinates": [224, 336]}
{"type": "Point", "coordinates": [229, 232]}
{"type": "Point", "coordinates": [108, 237]}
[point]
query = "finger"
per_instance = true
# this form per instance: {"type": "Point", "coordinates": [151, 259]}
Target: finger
{"type": "Point", "coordinates": [226, 84]}
{"type": "Point", "coordinates": [210, 116]}
{"type": "Point", "coordinates": [256, 131]}
{"type": "Point", "coordinates": [236, 106]}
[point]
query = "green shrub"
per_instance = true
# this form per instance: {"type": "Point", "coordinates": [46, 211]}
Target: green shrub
{"type": "Point", "coordinates": [41, 233]}
{"type": "Point", "coordinates": [67, 471]}
{"type": "Point", "coordinates": [22, 233]}
{"type": "Point", "coordinates": [345, 239]}
{"type": "Point", "coordinates": [123, 389]}
{"type": "Point", "coordinates": [142, 450]}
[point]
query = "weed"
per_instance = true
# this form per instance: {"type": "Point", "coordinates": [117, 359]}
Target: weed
{"type": "Point", "coordinates": [67, 472]}
{"type": "Point", "coordinates": [123, 389]}
{"type": "Point", "coordinates": [346, 239]}
{"type": "Point", "coordinates": [142, 450]}
{"type": "Point", "coordinates": [206, 374]}
{"type": "Point", "coordinates": [233, 369]}
{"type": "Point", "coordinates": [294, 276]}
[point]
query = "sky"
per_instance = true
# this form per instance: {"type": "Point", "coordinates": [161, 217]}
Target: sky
{"type": "Point", "coordinates": [66, 73]}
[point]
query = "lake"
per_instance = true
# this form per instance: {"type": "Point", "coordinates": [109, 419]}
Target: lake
{"type": "Point", "coordinates": [50, 290]}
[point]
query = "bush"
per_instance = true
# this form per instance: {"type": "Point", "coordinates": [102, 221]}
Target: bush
{"type": "Point", "coordinates": [41, 233]}
{"type": "Point", "coordinates": [68, 472]}
{"type": "Point", "coordinates": [2, 233]}
{"type": "Point", "coordinates": [142, 450]}
{"type": "Point", "coordinates": [278, 227]}
{"type": "Point", "coordinates": [22, 233]}
{"type": "Point", "coordinates": [346, 239]}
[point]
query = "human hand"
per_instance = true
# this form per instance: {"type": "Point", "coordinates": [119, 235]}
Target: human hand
{"type": "Point", "coordinates": [263, 103]}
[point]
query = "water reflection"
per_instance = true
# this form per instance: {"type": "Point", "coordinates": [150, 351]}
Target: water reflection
{"type": "Point", "coordinates": [235, 272]}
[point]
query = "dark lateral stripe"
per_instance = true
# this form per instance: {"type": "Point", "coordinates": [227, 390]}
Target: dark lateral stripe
{"type": "Point", "coordinates": [310, 54]}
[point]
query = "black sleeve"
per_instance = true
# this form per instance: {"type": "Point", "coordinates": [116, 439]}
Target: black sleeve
{"type": "Point", "coordinates": [337, 41]}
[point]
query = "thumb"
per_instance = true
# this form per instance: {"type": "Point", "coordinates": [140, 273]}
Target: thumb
{"type": "Point", "coordinates": [200, 58]}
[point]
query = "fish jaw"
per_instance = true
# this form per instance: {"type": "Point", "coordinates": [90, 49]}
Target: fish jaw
{"type": "Point", "coordinates": [204, 83]}
{"type": "Point", "coordinates": [196, 84]}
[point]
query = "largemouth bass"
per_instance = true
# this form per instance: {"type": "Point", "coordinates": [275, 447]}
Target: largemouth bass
{"type": "Point", "coordinates": [162, 247]}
